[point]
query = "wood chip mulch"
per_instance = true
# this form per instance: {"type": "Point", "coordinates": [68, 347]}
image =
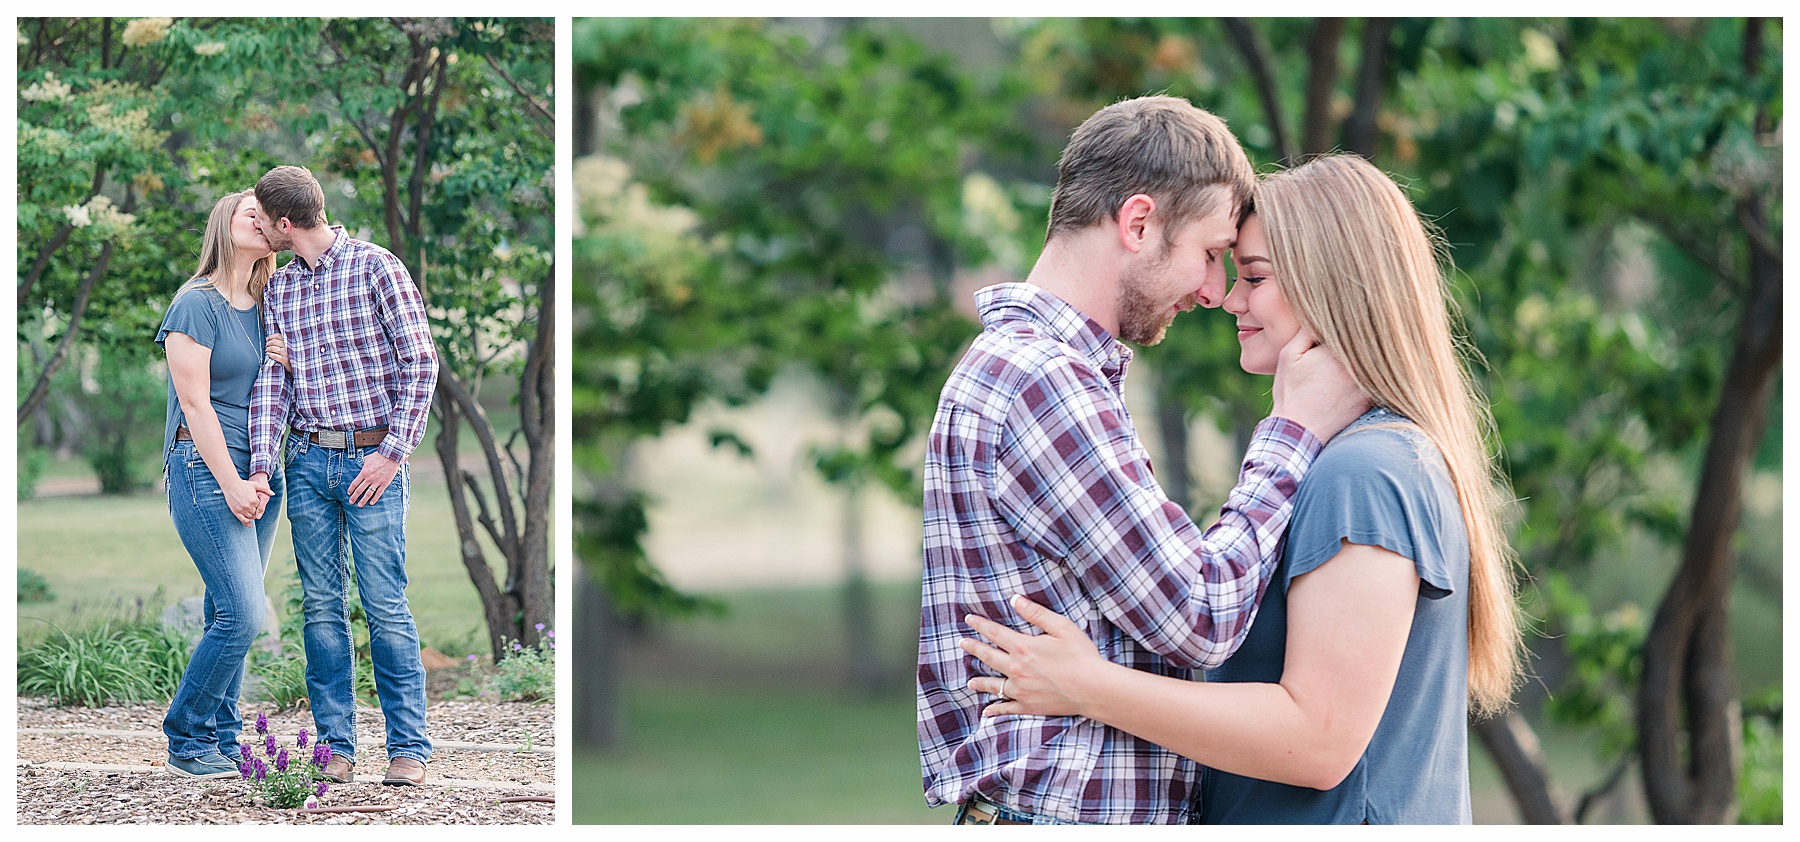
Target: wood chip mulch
{"type": "Point", "coordinates": [494, 763]}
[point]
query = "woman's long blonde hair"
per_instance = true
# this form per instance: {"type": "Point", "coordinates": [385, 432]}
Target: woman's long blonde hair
{"type": "Point", "coordinates": [1358, 268]}
{"type": "Point", "coordinates": [219, 255]}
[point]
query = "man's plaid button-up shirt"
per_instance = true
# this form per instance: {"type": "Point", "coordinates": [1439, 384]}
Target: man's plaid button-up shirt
{"type": "Point", "coordinates": [360, 345]}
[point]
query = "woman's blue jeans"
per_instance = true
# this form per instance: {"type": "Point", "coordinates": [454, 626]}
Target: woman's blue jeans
{"type": "Point", "coordinates": [330, 532]}
{"type": "Point", "coordinates": [231, 558]}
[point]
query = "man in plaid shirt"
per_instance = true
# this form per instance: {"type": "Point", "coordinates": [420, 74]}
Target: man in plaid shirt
{"type": "Point", "coordinates": [350, 413]}
{"type": "Point", "coordinates": [1036, 483]}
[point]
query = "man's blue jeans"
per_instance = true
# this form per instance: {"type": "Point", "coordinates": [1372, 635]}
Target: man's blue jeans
{"type": "Point", "coordinates": [328, 533]}
{"type": "Point", "coordinates": [231, 557]}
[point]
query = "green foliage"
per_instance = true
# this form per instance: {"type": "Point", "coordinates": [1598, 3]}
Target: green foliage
{"type": "Point", "coordinates": [432, 137]}
{"type": "Point", "coordinates": [526, 674]}
{"type": "Point", "coordinates": [744, 223]}
{"type": "Point", "coordinates": [1759, 781]}
{"type": "Point", "coordinates": [280, 678]}
{"type": "Point", "coordinates": [1605, 653]}
{"type": "Point", "coordinates": [32, 462]}
{"type": "Point", "coordinates": [129, 397]}
{"type": "Point", "coordinates": [139, 661]}
{"type": "Point", "coordinates": [33, 587]}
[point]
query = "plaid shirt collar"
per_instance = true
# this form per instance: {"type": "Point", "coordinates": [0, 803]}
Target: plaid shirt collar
{"type": "Point", "coordinates": [325, 260]}
{"type": "Point", "coordinates": [1022, 301]}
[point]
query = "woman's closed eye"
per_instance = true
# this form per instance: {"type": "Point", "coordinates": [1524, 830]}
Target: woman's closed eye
{"type": "Point", "coordinates": [1253, 279]}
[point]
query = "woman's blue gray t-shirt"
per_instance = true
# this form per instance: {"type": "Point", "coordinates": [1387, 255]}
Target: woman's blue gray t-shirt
{"type": "Point", "coordinates": [236, 339]}
{"type": "Point", "coordinates": [1384, 486]}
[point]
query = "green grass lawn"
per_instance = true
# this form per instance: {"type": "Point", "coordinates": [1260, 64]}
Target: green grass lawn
{"type": "Point", "coordinates": [705, 754]}
{"type": "Point", "coordinates": [746, 719]}
{"type": "Point", "coordinates": [101, 554]}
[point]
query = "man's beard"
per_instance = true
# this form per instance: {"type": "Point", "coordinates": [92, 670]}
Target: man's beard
{"type": "Point", "coordinates": [1143, 319]}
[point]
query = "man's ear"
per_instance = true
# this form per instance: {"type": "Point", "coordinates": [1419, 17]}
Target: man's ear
{"type": "Point", "coordinates": [1133, 221]}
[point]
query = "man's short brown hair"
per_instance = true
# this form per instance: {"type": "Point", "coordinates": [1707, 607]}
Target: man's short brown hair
{"type": "Point", "coordinates": [292, 192]}
{"type": "Point", "coordinates": [1162, 146]}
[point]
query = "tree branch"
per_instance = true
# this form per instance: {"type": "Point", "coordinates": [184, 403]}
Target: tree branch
{"type": "Point", "coordinates": [546, 122]}
{"type": "Point", "coordinates": [56, 242]}
{"type": "Point", "coordinates": [1514, 747]}
{"type": "Point", "coordinates": [42, 386]}
{"type": "Point", "coordinates": [1592, 797]}
{"type": "Point", "coordinates": [415, 186]}
{"type": "Point", "coordinates": [485, 518]}
{"type": "Point", "coordinates": [484, 432]}
{"type": "Point", "coordinates": [43, 259]}
{"type": "Point", "coordinates": [1250, 45]}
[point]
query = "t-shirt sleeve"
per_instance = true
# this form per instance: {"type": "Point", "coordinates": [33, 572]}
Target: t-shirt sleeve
{"type": "Point", "coordinates": [191, 314]}
{"type": "Point", "coordinates": [1386, 488]}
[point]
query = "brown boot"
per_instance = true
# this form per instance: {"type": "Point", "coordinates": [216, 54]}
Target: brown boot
{"type": "Point", "coordinates": [339, 770]}
{"type": "Point", "coordinates": [405, 771]}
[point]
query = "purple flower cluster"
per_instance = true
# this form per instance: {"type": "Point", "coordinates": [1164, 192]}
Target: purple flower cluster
{"type": "Point", "coordinates": [290, 779]}
{"type": "Point", "coordinates": [252, 768]}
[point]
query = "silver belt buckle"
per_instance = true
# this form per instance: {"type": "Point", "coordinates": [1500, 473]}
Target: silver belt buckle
{"type": "Point", "coordinates": [337, 439]}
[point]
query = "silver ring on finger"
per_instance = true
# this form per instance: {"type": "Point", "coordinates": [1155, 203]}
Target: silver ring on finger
{"type": "Point", "coordinates": [1003, 696]}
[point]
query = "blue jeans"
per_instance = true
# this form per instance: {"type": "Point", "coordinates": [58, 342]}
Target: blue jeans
{"type": "Point", "coordinates": [231, 557]}
{"type": "Point", "coordinates": [328, 532]}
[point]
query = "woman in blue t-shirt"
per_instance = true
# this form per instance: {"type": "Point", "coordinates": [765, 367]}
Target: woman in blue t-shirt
{"type": "Point", "coordinates": [1390, 614]}
{"type": "Point", "coordinates": [213, 336]}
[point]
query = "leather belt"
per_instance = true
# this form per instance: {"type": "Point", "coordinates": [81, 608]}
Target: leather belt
{"type": "Point", "coordinates": [340, 439]}
{"type": "Point", "coordinates": [978, 810]}
{"type": "Point", "coordinates": [182, 434]}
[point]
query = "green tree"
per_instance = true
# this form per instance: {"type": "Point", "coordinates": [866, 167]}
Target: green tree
{"type": "Point", "coordinates": [432, 136]}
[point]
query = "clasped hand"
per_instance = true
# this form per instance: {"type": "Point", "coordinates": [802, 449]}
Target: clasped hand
{"type": "Point", "coordinates": [248, 497]}
{"type": "Point", "coordinates": [1043, 674]}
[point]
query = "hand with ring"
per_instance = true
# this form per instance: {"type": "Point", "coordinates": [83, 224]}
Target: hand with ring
{"type": "Point", "coordinates": [1054, 669]}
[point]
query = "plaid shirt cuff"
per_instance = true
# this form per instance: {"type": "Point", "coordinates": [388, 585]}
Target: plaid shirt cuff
{"type": "Point", "coordinates": [1279, 441]}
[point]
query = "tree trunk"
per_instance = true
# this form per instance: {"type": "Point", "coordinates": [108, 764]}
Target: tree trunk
{"type": "Point", "coordinates": [497, 609]}
{"type": "Point", "coordinates": [868, 673]}
{"type": "Point", "coordinates": [1687, 699]}
{"type": "Point", "coordinates": [1172, 427]}
{"type": "Point", "coordinates": [1361, 129]}
{"type": "Point", "coordinates": [537, 415]}
{"type": "Point", "coordinates": [599, 723]}
{"type": "Point", "coordinates": [1321, 82]}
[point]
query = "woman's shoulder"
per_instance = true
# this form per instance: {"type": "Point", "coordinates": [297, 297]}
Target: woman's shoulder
{"type": "Point", "coordinates": [1382, 453]}
{"type": "Point", "coordinates": [198, 292]}
{"type": "Point", "coordinates": [196, 299]}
